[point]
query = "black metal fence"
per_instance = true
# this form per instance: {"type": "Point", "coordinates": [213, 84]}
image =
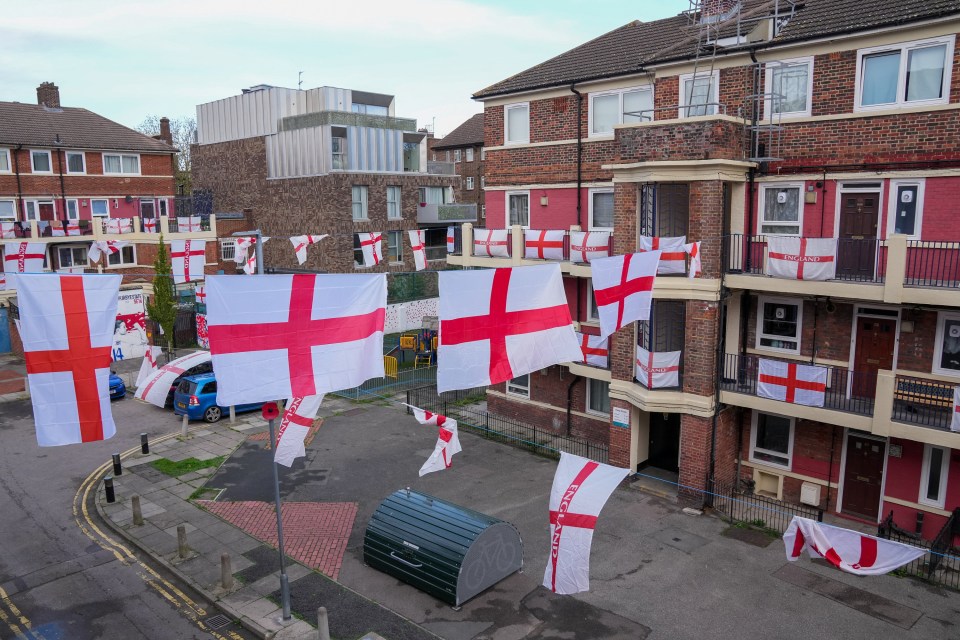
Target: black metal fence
{"type": "Point", "coordinates": [928, 403]}
{"type": "Point", "coordinates": [941, 565]}
{"type": "Point", "coordinates": [932, 264]}
{"type": "Point", "coordinates": [738, 504]}
{"type": "Point", "coordinates": [462, 407]}
{"type": "Point", "coordinates": [184, 330]}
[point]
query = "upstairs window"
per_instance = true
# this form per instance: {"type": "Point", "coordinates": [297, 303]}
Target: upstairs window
{"type": "Point", "coordinates": [100, 208]}
{"type": "Point", "coordinates": [338, 148]}
{"type": "Point", "coordinates": [772, 441]}
{"type": "Point", "coordinates": [780, 211]}
{"type": "Point", "coordinates": [433, 195]}
{"type": "Point", "coordinates": [228, 249]}
{"type": "Point", "coordinates": [126, 256]}
{"type": "Point", "coordinates": [394, 246]}
{"type": "Point", "coordinates": [4, 160]}
{"type": "Point", "coordinates": [456, 155]}
{"type": "Point", "coordinates": [468, 154]}
{"type": "Point", "coordinates": [121, 163]}
{"type": "Point", "coordinates": [393, 203]}
{"type": "Point", "coordinates": [601, 210]}
{"type": "Point", "coordinates": [8, 210]}
{"type": "Point", "coordinates": [698, 96]}
{"type": "Point", "coordinates": [779, 324]}
{"type": "Point", "coordinates": [933, 476]}
{"type": "Point", "coordinates": [790, 85]}
{"type": "Point", "coordinates": [946, 349]}
{"type": "Point", "coordinates": [469, 183]}
{"type": "Point", "coordinates": [611, 108]}
{"type": "Point", "coordinates": [40, 162]}
{"type": "Point", "coordinates": [359, 202]}
{"type": "Point", "coordinates": [76, 162]}
{"type": "Point", "coordinates": [914, 73]}
{"type": "Point", "coordinates": [516, 123]}
{"type": "Point", "coordinates": [518, 209]}
{"type": "Point", "coordinates": [906, 207]}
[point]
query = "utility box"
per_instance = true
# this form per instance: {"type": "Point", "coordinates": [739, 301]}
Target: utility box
{"type": "Point", "coordinates": [810, 494]}
{"type": "Point", "coordinates": [443, 549]}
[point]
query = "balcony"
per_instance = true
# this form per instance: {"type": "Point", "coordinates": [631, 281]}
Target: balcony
{"type": "Point", "coordinates": [440, 168]}
{"type": "Point", "coordinates": [132, 229]}
{"type": "Point", "coordinates": [431, 213]}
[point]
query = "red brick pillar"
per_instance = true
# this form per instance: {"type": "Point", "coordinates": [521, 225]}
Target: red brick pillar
{"type": "Point", "coordinates": [620, 441]}
{"type": "Point", "coordinates": [706, 223]}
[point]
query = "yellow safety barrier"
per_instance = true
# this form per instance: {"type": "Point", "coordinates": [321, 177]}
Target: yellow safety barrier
{"type": "Point", "coordinates": [408, 342]}
{"type": "Point", "coordinates": [390, 366]}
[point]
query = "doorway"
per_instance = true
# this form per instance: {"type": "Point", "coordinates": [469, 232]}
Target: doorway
{"type": "Point", "coordinates": [664, 452]}
{"type": "Point", "coordinates": [863, 476]}
{"type": "Point", "coordinates": [876, 340]}
{"type": "Point", "coordinates": [857, 244]}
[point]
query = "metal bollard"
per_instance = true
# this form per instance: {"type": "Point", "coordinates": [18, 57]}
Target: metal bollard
{"type": "Point", "coordinates": [226, 571]}
{"type": "Point", "coordinates": [137, 513]}
{"type": "Point", "coordinates": [183, 426]}
{"type": "Point", "coordinates": [108, 489]}
{"type": "Point", "coordinates": [182, 549]}
{"type": "Point", "coordinates": [233, 414]}
{"type": "Point", "coordinates": [117, 467]}
{"type": "Point", "coordinates": [144, 444]}
{"type": "Point", "coordinates": [323, 625]}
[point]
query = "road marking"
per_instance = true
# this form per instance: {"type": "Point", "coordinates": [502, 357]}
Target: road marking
{"type": "Point", "coordinates": [28, 631]}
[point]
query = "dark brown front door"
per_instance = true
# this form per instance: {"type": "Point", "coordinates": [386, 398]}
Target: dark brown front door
{"type": "Point", "coordinates": [863, 476]}
{"type": "Point", "coordinates": [664, 441]}
{"type": "Point", "coordinates": [857, 247]}
{"type": "Point", "coordinates": [876, 342]}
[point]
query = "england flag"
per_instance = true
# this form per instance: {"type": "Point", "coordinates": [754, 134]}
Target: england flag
{"type": "Point", "coordinates": [623, 289]}
{"type": "Point", "coordinates": [298, 417]}
{"type": "Point", "coordinates": [802, 258]}
{"type": "Point", "coordinates": [587, 246]}
{"type": "Point", "coordinates": [417, 242]}
{"type": "Point", "coordinates": [792, 382]}
{"type": "Point", "coordinates": [658, 369]}
{"type": "Point", "coordinates": [371, 245]}
{"type": "Point", "coordinates": [448, 442]}
{"type": "Point", "coordinates": [24, 257]}
{"type": "Point", "coordinates": [546, 244]}
{"type": "Point", "coordinates": [673, 254]}
{"type": "Point", "coordinates": [300, 244]}
{"type": "Point", "coordinates": [596, 350]}
{"type": "Point", "coordinates": [491, 243]}
{"type": "Point", "coordinates": [847, 550]}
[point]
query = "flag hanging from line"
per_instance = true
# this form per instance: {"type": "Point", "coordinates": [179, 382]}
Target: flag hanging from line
{"type": "Point", "coordinates": [371, 246]}
{"type": "Point", "coordinates": [623, 289]}
{"type": "Point", "coordinates": [417, 241]}
{"type": "Point", "coordinates": [187, 258]}
{"type": "Point", "coordinates": [696, 263]}
{"type": "Point", "coordinates": [673, 254]}
{"type": "Point", "coordinates": [596, 350]}
{"type": "Point", "coordinates": [99, 248]}
{"type": "Point", "coordinates": [149, 364]}
{"type": "Point", "coordinates": [298, 417]}
{"type": "Point", "coordinates": [300, 244]}
{"type": "Point", "coordinates": [448, 442]}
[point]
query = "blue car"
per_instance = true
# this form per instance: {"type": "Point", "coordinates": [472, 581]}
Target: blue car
{"type": "Point", "coordinates": [196, 397]}
{"type": "Point", "coordinates": [117, 388]}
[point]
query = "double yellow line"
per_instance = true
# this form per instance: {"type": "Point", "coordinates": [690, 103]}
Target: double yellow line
{"type": "Point", "coordinates": [14, 619]}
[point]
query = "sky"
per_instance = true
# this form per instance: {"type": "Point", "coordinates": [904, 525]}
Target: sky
{"type": "Point", "coordinates": [130, 59]}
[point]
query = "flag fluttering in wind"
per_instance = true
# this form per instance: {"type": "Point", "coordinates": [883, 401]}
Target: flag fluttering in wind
{"type": "Point", "coordinates": [448, 442]}
{"type": "Point", "coordinates": [623, 289]}
{"type": "Point", "coordinates": [300, 244]}
{"type": "Point", "coordinates": [298, 417]}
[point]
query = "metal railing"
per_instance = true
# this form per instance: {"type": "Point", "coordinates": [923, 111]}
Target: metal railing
{"type": "Point", "coordinates": [856, 260]}
{"type": "Point", "coordinates": [942, 564]}
{"type": "Point", "coordinates": [405, 379]}
{"type": "Point", "coordinates": [932, 264]}
{"type": "Point", "coordinates": [923, 402]}
{"type": "Point", "coordinates": [173, 225]}
{"type": "Point", "coordinates": [739, 504]}
{"type": "Point", "coordinates": [850, 391]}
{"type": "Point", "coordinates": [436, 253]}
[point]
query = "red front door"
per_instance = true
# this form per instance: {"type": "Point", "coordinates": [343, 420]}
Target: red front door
{"type": "Point", "coordinates": [876, 341]}
{"type": "Point", "coordinates": [863, 476]}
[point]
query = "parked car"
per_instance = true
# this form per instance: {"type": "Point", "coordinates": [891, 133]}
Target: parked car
{"type": "Point", "coordinates": [203, 367]}
{"type": "Point", "coordinates": [196, 397]}
{"type": "Point", "coordinates": [117, 388]}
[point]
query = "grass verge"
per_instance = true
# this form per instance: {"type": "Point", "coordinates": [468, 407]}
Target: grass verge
{"type": "Point", "coordinates": [177, 469]}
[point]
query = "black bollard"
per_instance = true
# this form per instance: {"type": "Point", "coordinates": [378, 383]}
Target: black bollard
{"type": "Point", "coordinates": [108, 489]}
{"type": "Point", "coordinates": [117, 468]}
{"type": "Point", "coordinates": [144, 444]}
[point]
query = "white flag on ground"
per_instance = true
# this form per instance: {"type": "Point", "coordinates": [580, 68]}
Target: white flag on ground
{"type": "Point", "coordinates": [448, 442]}
{"type": "Point", "coordinates": [802, 258]}
{"type": "Point", "coordinates": [149, 364]}
{"type": "Point", "coordinates": [792, 382]}
{"type": "Point", "coordinates": [298, 417]}
{"type": "Point", "coordinates": [300, 244]}
{"type": "Point", "coordinates": [580, 489]}
{"type": "Point", "coordinates": [67, 330]}
{"type": "Point", "coordinates": [847, 550]}
{"type": "Point", "coordinates": [623, 289]}
{"type": "Point", "coordinates": [417, 239]}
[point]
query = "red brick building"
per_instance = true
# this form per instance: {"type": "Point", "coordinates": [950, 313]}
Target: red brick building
{"type": "Point", "coordinates": [463, 147]}
{"type": "Point", "coordinates": [735, 126]}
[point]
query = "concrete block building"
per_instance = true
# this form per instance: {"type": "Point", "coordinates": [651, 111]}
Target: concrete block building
{"type": "Point", "coordinates": [463, 147]}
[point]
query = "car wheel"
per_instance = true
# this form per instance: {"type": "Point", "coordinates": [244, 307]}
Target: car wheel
{"type": "Point", "coordinates": [213, 414]}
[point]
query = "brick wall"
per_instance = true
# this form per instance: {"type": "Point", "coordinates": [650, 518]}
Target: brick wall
{"type": "Point", "coordinates": [698, 140]}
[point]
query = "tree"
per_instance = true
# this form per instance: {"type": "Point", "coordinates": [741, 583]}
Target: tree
{"type": "Point", "coordinates": [163, 309]}
{"type": "Point", "coordinates": [183, 130]}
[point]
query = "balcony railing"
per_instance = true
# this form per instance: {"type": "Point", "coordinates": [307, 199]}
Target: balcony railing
{"type": "Point", "coordinates": [457, 241]}
{"type": "Point", "coordinates": [436, 253]}
{"type": "Point", "coordinates": [923, 402]}
{"type": "Point", "coordinates": [97, 227]}
{"type": "Point", "coordinates": [856, 260]}
{"type": "Point", "coordinates": [932, 264]}
{"type": "Point", "coordinates": [438, 167]}
{"type": "Point", "coordinates": [452, 213]}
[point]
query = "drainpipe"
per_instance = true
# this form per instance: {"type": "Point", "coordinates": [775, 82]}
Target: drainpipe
{"type": "Point", "coordinates": [16, 170]}
{"type": "Point", "coordinates": [575, 380]}
{"type": "Point", "coordinates": [63, 191]}
{"type": "Point", "coordinates": [833, 446]}
{"type": "Point", "coordinates": [579, 151]}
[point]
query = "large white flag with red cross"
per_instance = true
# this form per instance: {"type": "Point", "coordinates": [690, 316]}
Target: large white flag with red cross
{"type": "Point", "coordinates": [673, 253]}
{"type": "Point", "coordinates": [188, 224]}
{"type": "Point", "coordinates": [298, 417]}
{"type": "Point", "coordinates": [955, 420]}
{"type": "Point", "coordinates": [157, 385]}
{"type": "Point", "coordinates": [371, 245]}
{"type": "Point", "coordinates": [802, 258]}
{"type": "Point", "coordinates": [282, 336]}
{"type": "Point", "coordinates": [491, 243]}
{"type": "Point", "coordinates": [544, 244]}
{"type": "Point", "coordinates": [623, 289]}
{"type": "Point", "coordinates": [67, 325]}
{"type": "Point", "coordinates": [792, 382]}
{"type": "Point", "coordinates": [580, 489]}
{"type": "Point", "coordinates": [596, 350]}
{"type": "Point", "coordinates": [149, 364]}
{"type": "Point", "coordinates": [448, 442]}
{"type": "Point", "coordinates": [23, 257]}
{"type": "Point", "coordinates": [417, 244]}
{"type": "Point", "coordinates": [119, 225]}
{"type": "Point", "coordinates": [658, 369]}
{"type": "Point", "coordinates": [300, 244]}
{"type": "Point", "coordinates": [847, 550]}
{"type": "Point", "coordinates": [187, 258]}
{"type": "Point", "coordinates": [587, 246]}
{"type": "Point", "coordinates": [497, 324]}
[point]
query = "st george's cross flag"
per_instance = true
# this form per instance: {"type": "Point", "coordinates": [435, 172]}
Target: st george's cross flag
{"type": "Point", "coordinates": [580, 489]}
{"type": "Point", "coordinates": [543, 244]}
{"type": "Point", "coordinates": [587, 246]}
{"type": "Point", "coordinates": [596, 350]}
{"type": "Point", "coordinates": [241, 247]}
{"type": "Point", "coordinates": [149, 225]}
{"type": "Point", "coordinates": [149, 364]}
{"type": "Point", "coordinates": [298, 417]}
{"type": "Point", "coordinates": [282, 336]}
{"type": "Point", "coordinates": [623, 289]}
{"type": "Point", "coordinates": [417, 240]}
{"type": "Point", "coordinates": [67, 330]}
{"type": "Point", "coordinates": [118, 225]}
{"type": "Point", "coordinates": [100, 248]}
{"type": "Point", "coordinates": [300, 244]}
{"type": "Point", "coordinates": [187, 258]}
{"type": "Point", "coordinates": [673, 254]}
{"type": "Point", "coordinates": [451, 239]}
{"type": "Point", "coordinates": [497, 324]}
{"type": "Point", "coordinates": [371, 245]}
{"type": "Point", "coordinates": [492, 243]}
{"type": "Point", "coordinates": [696, 262]}
{"type": "Point", "coordinates": [955, 420]}
{"type": "Point", "coordinates": [448, 442]}
{"type": "Point", "coordinates": [802, 258]}
{"type": "Point", "coordinates": [792, 382]}
{"type": "Point", "coordinates": [849, 551]}
{"type": "Point", "coordinates": [23, 257]}
{"type": "Point", "coordinates": [188, 224]}
{"type": "Point", "coordinates": [156, 386]}
{"type": "Point", "coordinates": [8, 230]}
{"type": "Point", "coordinates": [658, 369]}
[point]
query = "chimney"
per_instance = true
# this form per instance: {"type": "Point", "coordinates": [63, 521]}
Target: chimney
{"type": "Point", "coordinates": [718, 10]}
{"type": "Point", "coordinates": [165, 131]}
{"type": "Point", "coordinates": [48, 94]}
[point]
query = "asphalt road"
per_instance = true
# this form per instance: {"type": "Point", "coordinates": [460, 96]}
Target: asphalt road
{"type": "Point", "coordinates": [65, 576]}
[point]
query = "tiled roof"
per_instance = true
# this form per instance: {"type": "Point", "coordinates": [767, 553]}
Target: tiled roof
{"type": "Point", "coordinates": [36, 125]}
{"type": "Point", "coordinates": [469, 133]}
{"type": "Point", "coordinates": [636, 45]}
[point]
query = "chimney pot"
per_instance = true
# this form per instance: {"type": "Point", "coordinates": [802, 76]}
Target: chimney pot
{"type": "Point", "coordinates": [48, 94]}
{"type": "Point", "coordinates": [165, 134]}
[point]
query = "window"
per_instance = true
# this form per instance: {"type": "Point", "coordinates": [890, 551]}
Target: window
{"type": "Point", "coordinates": [433, 195]}
{"type": "Point", "coordinates": [456, 155]}
{"type": "Point", "coordinates": [228, 250]}
{"type": "Point", "coordinates": [121, 163]}
{"type": "Point", "coordinates": [592, 314]}
{"type": "Point", "coordinates": [370, 109]}
{"type": "Point", "coordinates": [71, 257]}
{"type": "Point", "coordinates": [791, 83]}
{"type": "Point", "coordinates": [447, 155]}
{"type": "Point", "coordinates": [601, 209]}
{"type": "Point", "coordinates": [618, 107]}
{"type": "Point", "coordinates": [698, 97]}
{"type": "Point", "coordinates": [780, 211]}
{"type": "Point", "coordinates": [394, 246]}
{"type": "Point", "coordinates": [468, 154]}
{"type": "Point", "coordinates": [338, 148]}
{"type": "Point", "coordinates": [76, 162]}
{"type": "Point", "coordinates": [40, 162]}
{"type": "Point", "coordinates": [163, 206]}
{"type": "Point", "coordinates": [483, 182]}
{"type": "Point", "coordinates": [125, 256]}
{"type": "Point", "coordinates": [914, 73]}
{"type": "Point", "coordinates": [778, 324]}
{"type": "Point", "coordinates": [518, 209]}
{"type": "Point", "coordinates": [598, 397]}
{"type": "Point", "coordinates": [359, 203]}
{"type": "Point", "coordinates": [393, 203]}
{"type": "Point", "coordinates": [4, 160]}
{"type": "Point", "coordinates": [933, 476]}
{"type": "Point", "coordinates": [946, 351]}
{"type": "Point", "coordinates": [519, 386]}
{"type": "Point", "coordinates": [357, 252]}
{"type": "Point", "coordinates": [483, 212]}
{"type": "Point", "coordinates": [73, 210]}
{"type": "Point", "coordinates": [469, 183]}
{"type": "Point", "coordinates": [906, 207]}
{"type": "Point", "coordinates": [772, 441]}
{"type": "Point", "coordinates": [8, 210]}
{"type": "Point", "coordinates": [411, 156]}
{"type": "Point", "coordinates": [39, 209]}
{"type": "Point", "coordinates": [483, 153]}
{"type": "Point", "coordinates": [100, 207]}
{"type": "Point", "coordinates": [516, 122]}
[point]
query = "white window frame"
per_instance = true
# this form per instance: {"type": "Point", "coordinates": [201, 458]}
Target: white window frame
{"type": "Point", "coordinates": [904, 48]}
{"type": "Point", "coordinates": [133, 249]}
{"type": "Point", "coordinates": [5, 153]}
{"type": "Point", "coordinates": [76, 209]}
{"type": "Point", "coordinates": [518, 390]}
{"type": "Point", "coordinates": [506, 122]}
{"type": "Point", "coordinates": [894, 200]}
{"type": "Point", "coordinates": [36, 202]}
{"type": "Point", "coordinates": [589, 397]}
{"type": "Point", "coordinates": [363, 201]}
{"type": "Point", "coordinates": [399, 236]}
{"type": "Point", "coordinates": [83, 162]}
{"type": "Point", "coordinates": [483, 182]}
{"type": "Point", "coordinates": [506, 208]}
{"type": "Point", "coordinates": [230, 244]}
{"type": "Point", "coordinates": [398, 202]}
{"type": "Point", "coordinates": [163, 207]}
{"type": "Point", "coordinates": [793, 302]}
{"type": "Point", "coordinates": [942, 317]}
{"type": "Point", "coordinates": [456, 155]}
{"type": "Point", "coordinates": [121, 156]}
{"type": "Point", "coordinates": [483, 153]}
{"type": "Point", "coordinates": [468, 154]}
{"type": "Point", "coordinates": [13, 204]}
{"type": "Point", "coordinates": [593, 314]}
{"type": "Point", "coordinates": [714, 92]}
{"type": "Point", "coordinates": [762, 208]}
{"type": "Point", "coordinates": [616, 92]}
{"type": "Point", "coordinates": [591, 193]}
{"type": "Point", "coordinates": [99, 215]}
{"type": "Point", "coordinates": [768, 83]}
{"type": "Point", "coordinates": [468, 183]}
{"type": "Point", "coordinates": [753, 441]}
{"type": "Point", "coordinates": [33, 168]}
{"type": "Point", "coordinates": [71, 248]}
{"type": "Point", "coordinates": [925, 476]}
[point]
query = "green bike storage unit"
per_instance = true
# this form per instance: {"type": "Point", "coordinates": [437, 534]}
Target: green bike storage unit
{"type": "Point", "coordinates": [441, 548]}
